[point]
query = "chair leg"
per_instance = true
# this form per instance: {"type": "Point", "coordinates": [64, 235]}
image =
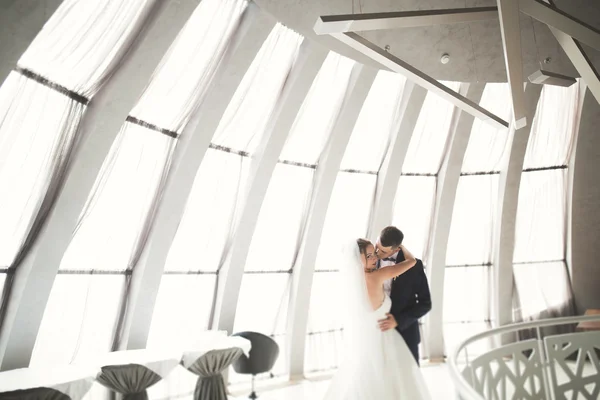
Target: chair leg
{"type": "Point", "coordinates": [253, 395]}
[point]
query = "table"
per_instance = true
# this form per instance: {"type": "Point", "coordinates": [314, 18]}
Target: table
{"type": "Point", "coordinates": [587, 326]}
{"type": "Point", "coordinates": [51, 383]}
{"type": "Point", "coordinates": [131, 372]}
{"type": "Point", "coordinates": [210, 360]}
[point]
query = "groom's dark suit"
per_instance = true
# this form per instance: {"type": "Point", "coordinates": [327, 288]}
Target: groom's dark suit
{"type": "Point", "coordinates": [410, 301]}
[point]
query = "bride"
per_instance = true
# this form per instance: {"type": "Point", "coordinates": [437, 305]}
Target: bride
{"type": "Point", "coordinates": [377, 365]}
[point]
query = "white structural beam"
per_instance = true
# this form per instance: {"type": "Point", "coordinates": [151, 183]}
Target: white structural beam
{"type": "Point", "coordinates": [106, 113]}
{"type": "Point", "coordinates": [253, 30]}
{"type": "Point", "coordinates": [562, 21]}
{"type": "Point", "coordinates": [299, 81]}
{"type": "Point", "coordinates": [580, 60]}
{"type": "Point", "coordinates": [412, 101]}
{"type": "Point", "coordinates": [508, 195]}
{"type": "Point", "coordinates": [329, 24]}
{"type": "Point", "coordinates": [581, 101]}
{"type": "Point", "coordinates": [511, 39]}
{"type": "Point", "coordinates": [20, 22]}
{"type": "Point", "coordinates": [447, 184]}
{"type": "Point", "coordinates": [360, 83]}
{"type": "Point", "coordinates": [392, 62]}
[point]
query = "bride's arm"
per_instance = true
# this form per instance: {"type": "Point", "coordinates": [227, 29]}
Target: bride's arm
{"type": "Point", "coordinates": [395, 270]}
{"type": "Point", "coordinates": [407, 254]}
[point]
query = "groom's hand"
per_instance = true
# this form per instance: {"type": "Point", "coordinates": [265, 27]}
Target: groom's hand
{"type": "Point", "coordinates": [388, 323]}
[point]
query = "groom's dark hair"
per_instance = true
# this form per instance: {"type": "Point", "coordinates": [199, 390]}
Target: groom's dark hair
{"type": "Point", "coordinates": [391, 237]}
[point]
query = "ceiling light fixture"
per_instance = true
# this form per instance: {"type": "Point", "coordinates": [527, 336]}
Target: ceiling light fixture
{"type": "Point", "coordinates": [445, 58]}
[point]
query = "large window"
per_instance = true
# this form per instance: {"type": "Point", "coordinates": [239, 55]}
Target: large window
{"type": "Point", "coordinates": [203, 240]}
{"type": "Point", "coordinates": [84, 314]}
{"type": "Point", "coordinates": [415, 196]}
{"type": "Point", "coordinates": [348, 216]}
{"type": "Point", "coordinates": [540, 270]}
{"type": "Point", "coordinates": [278, 234]}
{"type": "Point", "coordinates": [469, 258]}
{"type": "Point", "coordinates": [416, 192]}
{"type": "Point", "coordinates": [42, 103]}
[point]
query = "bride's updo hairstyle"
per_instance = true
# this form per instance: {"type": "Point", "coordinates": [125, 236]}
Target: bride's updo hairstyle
{"type": "Point", "coordinates": [362, 245]}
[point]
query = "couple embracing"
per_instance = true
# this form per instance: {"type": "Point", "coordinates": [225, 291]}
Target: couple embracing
{"type": "Point", "coordinates": [385, 293]}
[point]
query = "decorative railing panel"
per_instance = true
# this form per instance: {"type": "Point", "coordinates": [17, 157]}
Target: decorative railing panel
{"type": "Point", "coordinates": [574, 365]}
{"type": "Point", "coordinates": [555, 368]}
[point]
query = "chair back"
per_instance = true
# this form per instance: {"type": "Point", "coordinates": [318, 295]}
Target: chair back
{"type": "Point", "coordinates": [262, 356]}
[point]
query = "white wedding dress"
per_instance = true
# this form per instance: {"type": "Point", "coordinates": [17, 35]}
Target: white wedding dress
{"type": "Point", "coordinates": [377, 365]}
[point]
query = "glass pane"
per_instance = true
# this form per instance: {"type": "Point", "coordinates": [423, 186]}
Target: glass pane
{"type": "Point", "coordinates": [323, 341]}
{"type": "Point", "coordinates": [553, 129]}
{"type": "Point", "coordinates": [488, 145]}
{"type": "Point", "coordinates": [473, 220]}
{"type": "Point", "coordinates": [540, 225]}
{"type": "Point", "coordinates": [413, 210]}
{"type": "Point", "coordinates": [319, 111]}
{"type": "Point", "coordinates": [456, 332]}
{"type": "Point", "coordinates": [542, 287]}
{"type": "Point", "coordinates": [122, 197]}
{"type": "Point", "coordinates": [277, 236]}
{"type": "Point", "coordinates": [428, 142]}
{"type": "Point", "coordinates": [324, 351]}
{"type": "Point", "coordinates": [182, 311]}
{"type": "Point", "coordinates": [347, 216]}
{"type": "Point", "coordinates": [211, 213]}
{"type": "Point", "coordinates": [263, 303]}
{"type": "Point", "coordinates": [325, 303]}
{"type": "Point", "coordinates": [258, 95]}
{"type": "Point", "coordinates": [467, 292]}
{"type": "Point", "coordinates": [80, 318]}
{"type": "Point", "coordinates": [376, 122]}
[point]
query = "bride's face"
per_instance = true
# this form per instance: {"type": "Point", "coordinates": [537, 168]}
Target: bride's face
{"type": "Point", "coordinates": [369, 259]}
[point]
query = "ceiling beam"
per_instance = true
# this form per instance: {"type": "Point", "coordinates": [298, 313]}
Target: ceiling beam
{"type": "Point", "coordinates": [511, 40]}
{"type": "Point", "coordinates": [329, 24]}
{"type": "Point", "coordinates": [562, 21]}
{"type": "Point", "coordinates": [580, 60]}
{"type": "Point", "coordinates": [395, 64]}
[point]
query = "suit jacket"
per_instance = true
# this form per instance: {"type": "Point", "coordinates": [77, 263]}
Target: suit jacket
{"type": "Point", "coordinates": [411, 300]}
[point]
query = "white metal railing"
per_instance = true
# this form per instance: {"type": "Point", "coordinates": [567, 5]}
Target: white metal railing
{"type": "Point", "coordinates": [541, 368]}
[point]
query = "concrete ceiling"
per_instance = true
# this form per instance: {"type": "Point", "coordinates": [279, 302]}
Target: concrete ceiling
{"type": "Point", "coordinates": [475, 48]}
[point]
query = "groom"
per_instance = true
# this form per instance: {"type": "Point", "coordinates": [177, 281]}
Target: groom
{"type": "Point", "coordinates": [409, 292]}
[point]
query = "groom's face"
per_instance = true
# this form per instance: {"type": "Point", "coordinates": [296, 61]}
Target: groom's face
{"type": "Point", "coordinates": [384, 251]}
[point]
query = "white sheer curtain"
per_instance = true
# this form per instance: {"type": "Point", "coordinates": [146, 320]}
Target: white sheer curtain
{"type": "Point", "coordinates": [488, 148]}
{"type": "Point", "coordinates": [541, 275]}
{"type": "Point", "coordinates": [415, 196]}
{"type": "Point", "coordinates": [250, 110]}
{"type": "Point", "coordinates": [43, 100]}
{"type": "Point", "coordinates": [319, 111]}
{"type": "Point", "coordinates": [202, 243]}
{"type": "Point", "coordinates": [428, 142]}
{"type": "Point", "coordinates": [348, 215]}
{"type": "Point", "coordinates": [37, 129]}
{"type": "Point", "coordinates": [376, 123]}
{"type": "Point", "coordinates": [115, 221]}
{"type": "Point", "coordinates": [278, 234]}
{"type": "Point", "coordinates": [468, 277]}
